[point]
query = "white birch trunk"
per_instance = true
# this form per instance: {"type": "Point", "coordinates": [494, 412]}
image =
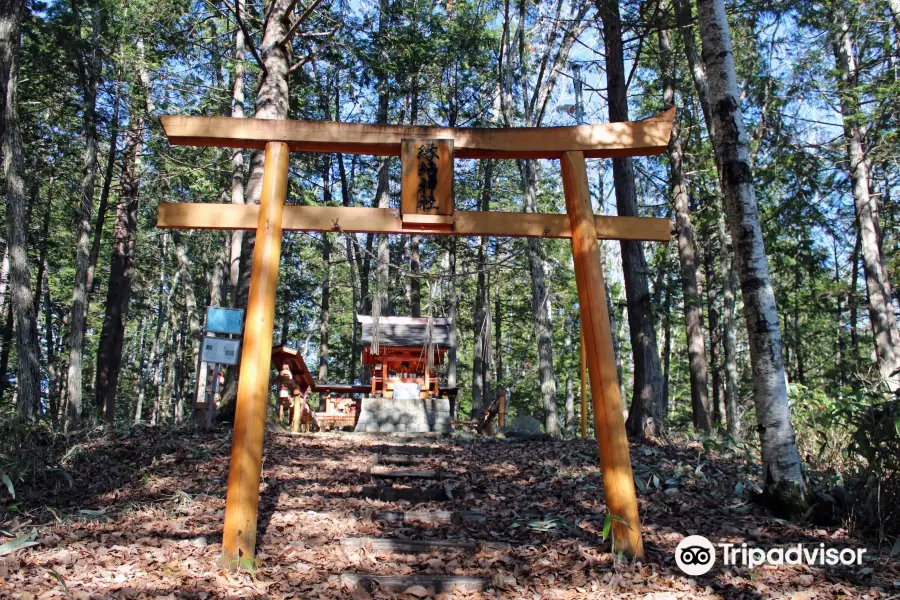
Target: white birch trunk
{"type": "Point", "coordinates": [783, 477]}
{"type": "Point", "coordinates": [237, 159]}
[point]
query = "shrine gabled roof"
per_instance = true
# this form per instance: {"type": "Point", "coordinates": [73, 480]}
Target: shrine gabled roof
{"type": "Point", "coordinates": [405, 331]}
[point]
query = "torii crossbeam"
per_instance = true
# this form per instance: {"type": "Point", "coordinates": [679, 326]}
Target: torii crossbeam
{"type": "Point", "coordinates": [426, 153]}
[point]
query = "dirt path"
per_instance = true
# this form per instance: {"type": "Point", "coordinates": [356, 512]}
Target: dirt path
{"type": "Point", "coordinates": [515, 519]}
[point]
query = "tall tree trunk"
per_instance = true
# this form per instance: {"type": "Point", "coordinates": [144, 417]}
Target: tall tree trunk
{"type": "Point", "coordinates": [90, 75]}
{"type": "Point", "coordinates": [44, 247]}
{"type": "Point", "coordinates": [498, 347]}
{"type": "Point", "coordinates": [382, 267]}
{"type": "Point", "coordinates": [540, 307]}
{"type": "Point", "coordinates": [177, 371]}
{"type": "Point", "coordinates": [697, 362]}
{"type": "Point", "coordinates": [324, 323]}
{"type": "Point", "coordinates": [452, 309]}
{"type": "Point", "coordinates": [479, 324]}
{"type": "Point", "coordinates": [613, 319]}
{"type": "Point", "coordinates": [841, 343]}
{"type": "Point", "coordinates": [52, 379]}
{"type": "Point", "coordinates": [237, 157]}
{"type": "Point", "coordinates": [535, 98]}
{"type": "Point", "coordinates": [6, 338]}
{"type": "Point", "coordinates": [161, 309]}
{"type": "Point", "coordinates": [350, 251]}
{"type": "Point", "coordinates": [167, 393]}
{"type": "Point", "coordinates": [783, 476]}
{"type": "Point", "coordinates": [190, 303]}
{"type": "Point", "coordinates": [570, 387]}
{"type": "Point", "coordinates": [271, 103]}
{"type": "Point", "coordinates": [22, 300]}
{"type": "Point", "coordinates": [685, 19]}
{"type": "Point", "coordinates": [218, 276]}
{"type": "Point", "coordinates": [7, 342]}
{"type": "Point", "coordinates": [486, 363]}
{"type": "Point", "coordinates": [415, 285]}
{"type": "Point", "coordinates": [667, 344]}
{"type": "Point", "coordinates": [729, 335]}
{"type": "Point", "coordinates": [415, 265]}
{"type": "Point", "coordinates": [103, 204]}
{"type": "Point", "coordinates": [701, 85]}
{"type": "Point", "coordinates": [796, 326]}
{"type": "Point", "coordinates": [853, 301]}
{"type": "Point", "coordinates": [645, 416]}
{"type": "Point", "coordinates": [121, 270]}
{"type": "Point", "coordinates": [715, 336]}
{"type": "Point", "coordinates": [4, 275]}
{"type": "Point", "coordinates": [885, 330]}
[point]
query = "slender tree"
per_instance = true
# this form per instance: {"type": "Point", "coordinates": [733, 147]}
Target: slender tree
{"type": "Point", "coordinates": [783, 476]}
{"type": "Point", "coordinates": [697, 362]}
{"type": "Point", "coordinates": [885, 329]}
{"type": "Point", "coordinates": [22, 298]}
{"type": "Point", "coordinates": [324, 316]}
{"type": "Point", "coordinates": [645, 416]}
{"type": "Point", "coordinates": [121, 272]}
{"type": "Point", "coordinates": [481, 334]}
{"type": "Point", "coordinates": [89, 71]}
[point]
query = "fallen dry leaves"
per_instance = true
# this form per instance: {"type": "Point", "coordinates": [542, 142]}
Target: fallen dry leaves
{"type": "Point", "coordinates": [141, 517]}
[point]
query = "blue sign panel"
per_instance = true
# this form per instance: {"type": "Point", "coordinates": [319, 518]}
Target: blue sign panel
{"type": "Point", "coordinates": [224, 320]}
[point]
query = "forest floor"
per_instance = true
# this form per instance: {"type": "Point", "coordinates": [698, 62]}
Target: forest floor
{"type": "Point", "coordinates": [140, 516]}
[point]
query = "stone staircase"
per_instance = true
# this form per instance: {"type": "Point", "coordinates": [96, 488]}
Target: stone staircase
{"type": "Point", "coordinates": [416, 486]}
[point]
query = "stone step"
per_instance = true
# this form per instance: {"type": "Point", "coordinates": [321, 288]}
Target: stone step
{"type": "Point", "coordinates": [438, 583]}
{"type": "Point", "coordinates": [434, 517]}
{"type": "Point", "coordinates": [408, 546]}
{"type": "Point", "coordinates": [407, 450]}
{"type": "Point", "coordinates": [389, 493]}
{"type": "Point", "coordinates": [405, 473]}
{"type": "Point", "coordinates": [399, 459]}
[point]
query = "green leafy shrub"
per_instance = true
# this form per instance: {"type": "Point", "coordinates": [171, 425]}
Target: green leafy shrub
{"type": "Point", "coordinates": [876, 440]}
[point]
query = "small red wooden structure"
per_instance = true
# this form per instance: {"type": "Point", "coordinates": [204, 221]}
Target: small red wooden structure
{"type": "Point", "coordinates": [340, 410]}
{"type": "Point", "coordinates": [296, 383]}
{"type": "Point", "coordinates": [402, 353]}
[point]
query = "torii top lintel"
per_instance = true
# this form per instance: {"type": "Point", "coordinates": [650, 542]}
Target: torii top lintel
{"type": "Point", "coordinates": [608, 140]}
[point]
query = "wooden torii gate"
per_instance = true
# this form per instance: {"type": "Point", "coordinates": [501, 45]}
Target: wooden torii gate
{"type": "Point", "coordinates": [570, 145]}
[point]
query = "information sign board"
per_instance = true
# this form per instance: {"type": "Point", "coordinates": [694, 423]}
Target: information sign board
{"type": "Point", "coordinates": [224, 320]}
{"type": "Point", "coordinates": [220, 350]}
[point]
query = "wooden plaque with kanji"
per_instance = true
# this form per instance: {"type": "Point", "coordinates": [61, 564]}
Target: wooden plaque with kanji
{"type": "Point", "coordinates": [427, 180]}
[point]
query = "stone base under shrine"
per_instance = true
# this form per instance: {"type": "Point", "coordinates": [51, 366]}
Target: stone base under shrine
{"type": "Point", "coordinates": [390, 415]}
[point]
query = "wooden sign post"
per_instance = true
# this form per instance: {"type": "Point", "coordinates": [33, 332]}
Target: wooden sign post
{"type": "Point", "coordinates": [427, 155]}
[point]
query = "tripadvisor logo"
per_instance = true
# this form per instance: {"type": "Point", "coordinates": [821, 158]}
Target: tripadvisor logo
{"type": "Point", "coordinates": [696, 555]}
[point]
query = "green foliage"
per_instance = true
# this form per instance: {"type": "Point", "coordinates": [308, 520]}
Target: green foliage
{"type": "Point", "coordinates": [877, 437]}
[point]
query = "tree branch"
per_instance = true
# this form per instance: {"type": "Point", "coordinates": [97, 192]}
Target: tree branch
{"type": "Point", "coordinates": [236, 10]}
{"type": "Point", "coordinates": [303, 17]}
{"type": "Point", "coordinates": [312, 55]}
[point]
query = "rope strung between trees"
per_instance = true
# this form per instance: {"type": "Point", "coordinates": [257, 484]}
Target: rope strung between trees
{"type": "Point", "coordinates": [497, 266]}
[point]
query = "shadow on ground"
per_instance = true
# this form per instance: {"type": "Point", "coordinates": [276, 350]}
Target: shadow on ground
{"type": "Point", "coordinates": [162, 496]}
